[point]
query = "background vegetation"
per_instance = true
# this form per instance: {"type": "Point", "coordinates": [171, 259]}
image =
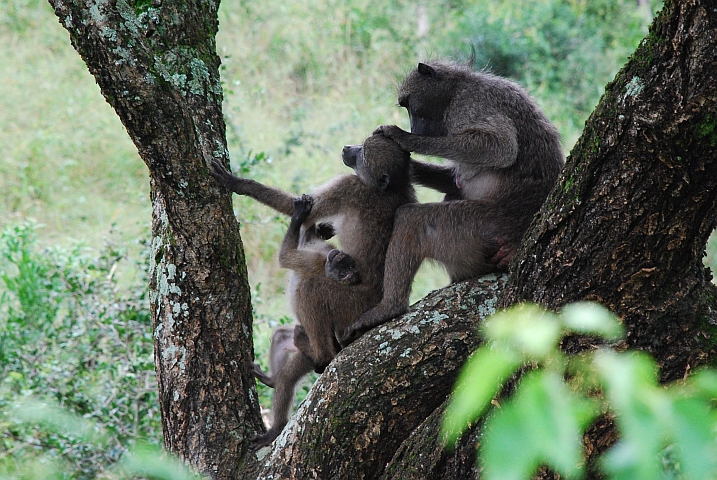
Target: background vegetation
{"type": "Point", "coordinates": [301, 79]}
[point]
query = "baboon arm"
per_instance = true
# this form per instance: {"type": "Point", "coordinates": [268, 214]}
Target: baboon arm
{"type": "Point", "coordinates": [491, 142]}
{"type": "Point", "coordinates": [303, 262]}
{"type": "Point", "coordinates": [329, 200]}
{"type": "Point", "coordinates": [437, 177]}
{"type": "Point", "coordinates": [277, 199]}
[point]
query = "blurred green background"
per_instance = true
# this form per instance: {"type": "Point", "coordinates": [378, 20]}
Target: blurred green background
{"type": "Point", "coordinates": [301, 79]}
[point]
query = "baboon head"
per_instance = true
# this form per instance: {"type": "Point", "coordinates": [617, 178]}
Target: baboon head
{"type": "Point", "coordinates": [379, 162]}
{"type": "Point", "coordinates": [341, 268]}
{"type": "Point", "coordinates": [427, 93]}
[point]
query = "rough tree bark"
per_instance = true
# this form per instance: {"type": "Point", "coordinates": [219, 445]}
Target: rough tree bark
{"type": "Point", "coordinates": [156, 65]}
{"type": "Point", "coordinates": [627, 226]}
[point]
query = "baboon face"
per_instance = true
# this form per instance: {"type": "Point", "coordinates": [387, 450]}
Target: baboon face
{"type": "Point", "coordinates": [342, 268]}
{"type": "Point", "coordinates": [426, 93]}
{"type": "Point", "coordinates": [379, 162]}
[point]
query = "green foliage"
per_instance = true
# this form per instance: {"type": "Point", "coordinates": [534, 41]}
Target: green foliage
{"type": "Point", "coordinates": [142, 459]}
{"type": "Point", "coordinates": [69, 336]}
{"type": "Point", "coordinates": [563, 51]}
{"type": "Point", "coordinates": [666, 432]}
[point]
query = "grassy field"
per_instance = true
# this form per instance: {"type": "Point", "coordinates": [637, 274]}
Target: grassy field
{"type": "Point", "coordinates": [301, 80]}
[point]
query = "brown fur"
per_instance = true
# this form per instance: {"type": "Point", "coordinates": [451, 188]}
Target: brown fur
{"type": "Point", "coordinates": [361, 209]}
{"type": "Point", "coordinates": [505, 158]}
{"type": "Point", "coordinates": [282, 347]}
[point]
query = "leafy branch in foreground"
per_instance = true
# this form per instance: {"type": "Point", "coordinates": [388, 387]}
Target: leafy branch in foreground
{"type": "Point", "coordinates": [666, 431]}
{"type": "Point", "coordinates": [143, 459]}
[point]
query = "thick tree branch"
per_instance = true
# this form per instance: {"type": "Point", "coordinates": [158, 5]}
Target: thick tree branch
{"type": "Point", "coordinates": [379, 389]}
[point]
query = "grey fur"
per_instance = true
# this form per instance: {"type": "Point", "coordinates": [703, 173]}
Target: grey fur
{"type": "Point", "coordinates": [361, 209]}
{"type": "Point", "coordinates": [504, 156]}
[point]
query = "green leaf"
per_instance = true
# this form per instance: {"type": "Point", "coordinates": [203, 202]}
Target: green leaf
{"type": "Point", "coordinates": [51, 416]}
{"type": "Point", "coordinates": [478, 383]}
{"type": "Point", "coordinates": [693, 428]}
{"type": "Point", "coordinates": [526, 328]}
{"type": "Point", "coordinates": [152, 461]}
{"type": "Point", "coordinates": [593, 319]}
{"type": "Point", "coordinates": [642, 411]}
{"type": "Point", "coordinates": [630, 380]}
{"type": "Point", "coordinates": [541, 424]}
{"type": "Point", "coordinates": [705, 383]}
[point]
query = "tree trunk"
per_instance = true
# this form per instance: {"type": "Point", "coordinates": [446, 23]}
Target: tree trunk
{"type": "Point", "coordinates": [156, 66]}
{"type": "Point", "coordinates": [628, 223]}
{"type": "Point", "coordinates": [627, 227]}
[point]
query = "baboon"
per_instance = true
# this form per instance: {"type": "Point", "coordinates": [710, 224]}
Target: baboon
{"type": "Point", "coordinates": [361, 210]}
{"type": "Point", "coordinates": [505, 158]}
{"type": "Point", "coordinates": [359, 207]}
{"type": "Point", "coordinates": [282, 346]}
{"type": "Point", "coordinates": [341, 268]}
{"type": "Point", "coordinates": [285, 339]}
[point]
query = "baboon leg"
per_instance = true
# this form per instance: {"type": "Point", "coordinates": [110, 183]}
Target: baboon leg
{"type": "Point", "coordinates": [286, 379]}
{"type": "Point", "coordinates": [262, 376]}
{"type": "Point", "coordinates": [319, 339]}
{"type": "Point", "coordinates": [452, 233]}
{"type": "Point", "coordinates": [404, 256]}
{"type": "Point", "coordinates": [302, 342]}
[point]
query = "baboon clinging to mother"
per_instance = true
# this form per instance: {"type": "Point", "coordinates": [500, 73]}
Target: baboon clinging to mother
{"type": "Point", "coordinates": [361, 209]}
{"type": "Point", "coordinates": [326, 299]}
{"type": "Point", "coordinates": [505, 158]}
{"type": "Point", "coordinates": [338, 267]}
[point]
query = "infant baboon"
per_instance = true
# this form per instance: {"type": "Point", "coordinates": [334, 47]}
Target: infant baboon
{"type": "Point", "coordinates": [286, 339]}
{"type": "Point", "coordinates": [282, 346]}
{"type": "Point", "coordinates": [361, 209]}
{"type": "Point", "coordinates": [505, 156]}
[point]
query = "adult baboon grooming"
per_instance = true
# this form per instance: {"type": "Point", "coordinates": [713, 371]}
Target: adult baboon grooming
{"type": "Point", "coordinates": [505, 157]}
{"type": "Point", "coordinates": [361, 208]}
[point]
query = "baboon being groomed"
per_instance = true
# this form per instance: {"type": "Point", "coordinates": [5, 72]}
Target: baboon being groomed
{"type": "Point", "coordinates": [361, 209]}
{"type": "Point", "coordinates": [505, 157]}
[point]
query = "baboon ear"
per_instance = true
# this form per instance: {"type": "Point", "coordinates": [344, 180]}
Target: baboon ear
{"type": "Point", "coordinates": [383, 181]}
{"type": "Point", "coordinates": [424, 69]}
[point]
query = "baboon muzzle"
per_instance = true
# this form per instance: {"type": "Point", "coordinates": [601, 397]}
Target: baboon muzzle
{"type": "Point", "coordinates": [350, 154]}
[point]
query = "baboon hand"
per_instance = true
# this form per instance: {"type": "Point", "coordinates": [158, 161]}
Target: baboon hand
{"type": "Point", "coordinates": [350, 335]}
{"type": "Point", "coordinates": [259, 441]}
{"type": "Point", "coordinates": [390, 131]}
{"type": "Point", "coordinates": [218, 171]}
{"type": "Point", "coordinates": [395, 133]}
{"type": "Point", "coordinates": [262, 376]}
{"type": "Point", "coordinates": [229, 180]}
{"type": "Point", "coordinates": [302, 208]}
